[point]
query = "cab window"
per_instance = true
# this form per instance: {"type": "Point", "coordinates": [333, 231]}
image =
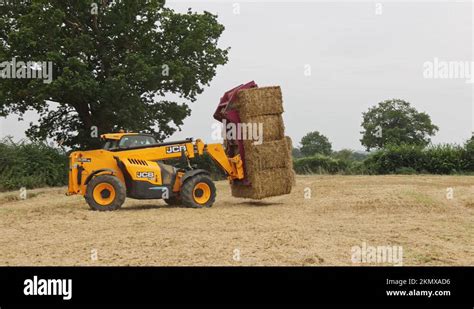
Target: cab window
{"type": "Point", "coordinates": [110, 144]}
{"type": "Point", "coordinates": [133, 141]}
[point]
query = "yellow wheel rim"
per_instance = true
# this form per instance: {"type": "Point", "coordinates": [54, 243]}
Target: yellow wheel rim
{"type": "Point", "coordinates": [202, 193]}
{"type": "Point", "coordinates": [104, 194]}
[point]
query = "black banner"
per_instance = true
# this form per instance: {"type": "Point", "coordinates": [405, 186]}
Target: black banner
{"type": "Point", "coordinates": [237, 285]}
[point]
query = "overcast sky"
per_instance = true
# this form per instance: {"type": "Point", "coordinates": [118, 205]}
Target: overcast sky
{"type": "Point", "coordinates": [357, 57]}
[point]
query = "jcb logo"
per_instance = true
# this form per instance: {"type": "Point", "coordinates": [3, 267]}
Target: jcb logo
{"type": "Point", "coordinates": [174, 149]}
{"type": "Point", "coordinates": [147, 175]}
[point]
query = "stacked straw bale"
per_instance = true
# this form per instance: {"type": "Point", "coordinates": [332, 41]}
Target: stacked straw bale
{"type": "Point", "coordinates": [268, 165]}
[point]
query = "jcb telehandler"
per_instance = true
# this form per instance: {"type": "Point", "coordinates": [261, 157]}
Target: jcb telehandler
{"type": "Point", "coordinates": [134, 165]}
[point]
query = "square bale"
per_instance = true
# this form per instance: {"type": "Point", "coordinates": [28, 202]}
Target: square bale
{"type": "Point", "coordinates": [265, 127]}
{"type": "Point", "coordinates": [266, 183]}
{"type": "Point", "coordinates": [289, 144]}
{"type": "Point", "coordinates": [267, 155]}
{"type": "Point", "coordinates": [258, 101]}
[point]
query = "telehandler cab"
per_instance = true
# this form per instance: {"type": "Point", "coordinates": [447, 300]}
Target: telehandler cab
{"type": "Point", "coordinates": [133, 165]}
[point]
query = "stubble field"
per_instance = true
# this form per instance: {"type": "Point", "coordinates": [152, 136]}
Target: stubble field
{"type": "Point", "coordinates": [430, 217]}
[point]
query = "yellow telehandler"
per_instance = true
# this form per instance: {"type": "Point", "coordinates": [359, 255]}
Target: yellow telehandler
{"type": "Point", "coordinates": [133, 165]}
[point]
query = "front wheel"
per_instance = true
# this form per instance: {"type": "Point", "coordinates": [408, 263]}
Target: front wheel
{"type": "Point", "coordinates": [105, 193]}
{"type": "Point", "coordinates": [198, 191]}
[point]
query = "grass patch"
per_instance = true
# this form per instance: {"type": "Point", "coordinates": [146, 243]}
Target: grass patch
{"type": "Point", "coordinates": [421, 198]}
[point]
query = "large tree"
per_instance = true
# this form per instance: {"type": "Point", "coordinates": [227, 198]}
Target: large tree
{"type": "Point", "coordinates": [395, 122]}
{"type": "Point", "coordinates": [315, 143]}
{"type": "Point", "coordinates": [114, 65]}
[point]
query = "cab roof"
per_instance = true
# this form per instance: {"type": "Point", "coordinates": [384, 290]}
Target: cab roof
{"type": "Point", "coordinates": [116, 136]}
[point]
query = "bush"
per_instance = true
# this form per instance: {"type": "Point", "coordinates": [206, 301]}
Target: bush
{"type": "Point", "coordinates": [320, 164]}
{"type": "Point", "coordinates": [357, 168]}
{"type": "Point", "coordinates": [31, 165]}
{"type": "Point", "coordinates": [406, 171]}
{"type": "Point", "coordinates": [445, 159]}
{"type": "Point", "coordinates": [392, 158]}
{"type": "Point", "coordinates": [349, 155]}
{"type": "Point", "coordinates": [441, 159]}
{"type": "Point", "coordinates": [469, 155]}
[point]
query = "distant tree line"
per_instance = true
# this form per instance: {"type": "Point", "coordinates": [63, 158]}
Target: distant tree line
{"type": "Point", "coordinates": [397, 139]}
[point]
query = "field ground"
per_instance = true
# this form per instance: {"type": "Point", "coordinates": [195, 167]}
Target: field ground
{"type": "Point", "coordinates": [49, 228]}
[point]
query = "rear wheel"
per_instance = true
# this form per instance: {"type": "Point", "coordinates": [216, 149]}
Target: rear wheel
{"type": "Point", "coordinates": [105, 193]}
{"type": "Point", "coordinates": [198, 191]}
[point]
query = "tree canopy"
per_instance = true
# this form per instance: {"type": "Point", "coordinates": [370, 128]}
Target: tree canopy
{"type": "Point", "coordinates": [395, 122]}
{"type": "Point", "coordinates": [114, 65]}
{"type": "Point", "coordinates": [315, 143]}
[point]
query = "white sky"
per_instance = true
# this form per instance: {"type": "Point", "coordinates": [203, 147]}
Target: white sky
{"type": "Point", "coordinates": [357, 57]}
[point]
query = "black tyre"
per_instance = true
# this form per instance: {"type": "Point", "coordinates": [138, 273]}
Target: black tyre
{"type": "Point", "coordinates": [173, 201]}
{"type": "Point", "coordinates": [198, 191]}
{"type": "Point", "coordinates": [105, 193]}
